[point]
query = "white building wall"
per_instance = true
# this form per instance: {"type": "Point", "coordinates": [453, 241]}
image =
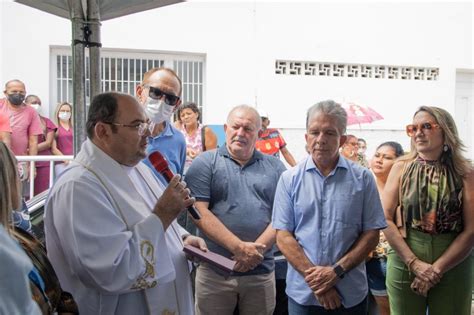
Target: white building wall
{"type": "Point", "coordinates": [241, 42]}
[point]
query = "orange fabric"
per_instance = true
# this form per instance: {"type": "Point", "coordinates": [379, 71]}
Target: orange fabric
{"type": "Point", "coordinates": [270, 142]}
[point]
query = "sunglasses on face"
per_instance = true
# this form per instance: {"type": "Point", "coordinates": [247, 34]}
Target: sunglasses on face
{"type": "Point", "coordinates": [156, 94]}
{"type": "Point", "coordinates": [413, 129]}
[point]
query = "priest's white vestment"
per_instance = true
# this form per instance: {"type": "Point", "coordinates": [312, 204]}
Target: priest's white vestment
{"type": "Point", "coordinates": [107, 247]}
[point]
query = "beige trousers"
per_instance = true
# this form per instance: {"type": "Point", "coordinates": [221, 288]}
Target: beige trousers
{"type": "Point", "coordinates": [255, 294]}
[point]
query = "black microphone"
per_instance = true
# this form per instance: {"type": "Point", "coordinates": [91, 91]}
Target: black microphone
{"type": "Point", "coordinates": [161, 166]}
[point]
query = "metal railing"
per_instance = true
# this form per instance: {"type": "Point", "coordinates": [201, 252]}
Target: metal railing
{"type": "Point", "coordinates": [42, 158]}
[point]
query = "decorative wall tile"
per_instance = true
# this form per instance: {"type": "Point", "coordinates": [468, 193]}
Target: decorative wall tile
{"type": "Point", "coordinates": [328, 69]}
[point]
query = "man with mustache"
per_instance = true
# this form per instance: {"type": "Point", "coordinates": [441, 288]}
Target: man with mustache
{"type": "Point", "coordinates": [234, 187]}
{"type": "Point", "coordinates": [327, 214]}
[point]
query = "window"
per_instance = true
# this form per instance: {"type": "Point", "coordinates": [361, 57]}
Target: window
{"type": "Point", "coordinates": [122, 71]}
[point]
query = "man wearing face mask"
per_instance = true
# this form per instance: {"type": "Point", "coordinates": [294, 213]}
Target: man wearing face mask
{"type": "Point", "coordinates": [25, 125]}
{"type": "Point", "coordinates": [160, 93]}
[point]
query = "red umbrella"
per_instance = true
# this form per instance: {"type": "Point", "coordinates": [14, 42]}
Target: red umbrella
{"type": "Point", "coordinates": [358, 114]}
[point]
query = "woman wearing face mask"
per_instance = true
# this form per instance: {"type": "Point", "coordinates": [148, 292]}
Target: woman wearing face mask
{"type": "Point", "coordinates": [64, 135]}
{"type": "Point", "coordinates": [199, 138]}
{"type": "Point", "coordinates": [45, 143]}
{"type": "Point", "coordinates": [376, 266]}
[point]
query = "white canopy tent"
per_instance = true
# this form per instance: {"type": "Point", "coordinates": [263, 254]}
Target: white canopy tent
{"type": "Point", "coordinates": [86, 16]}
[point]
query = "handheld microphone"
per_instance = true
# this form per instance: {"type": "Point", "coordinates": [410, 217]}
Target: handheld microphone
{"type": "Point", "coordinates": [161, 166]}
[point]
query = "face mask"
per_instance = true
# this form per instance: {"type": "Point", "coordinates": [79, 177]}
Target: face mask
{"type": "Point", "coordinates": [37, 107]}
{"type": "Point", "coordinates": [16, 99]}
{"type": "Point", "coordinates": [64, 115]}
{"type": "Point", "coordinates": [158, 111]}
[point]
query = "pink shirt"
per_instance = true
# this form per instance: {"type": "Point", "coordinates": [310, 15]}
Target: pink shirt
{"type": "Point", "coordinates": [64, 141]}
{"type": "Point", "coordinates": [4, 122]}
{"type": "Point", "coordinates": [193, 142]}
{"type": "Point", "coordinates": [24, 122]}
{"type": "Point", "coordinates": [48, 126]}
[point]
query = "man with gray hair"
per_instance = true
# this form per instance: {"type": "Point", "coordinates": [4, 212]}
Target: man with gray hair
{"type": "Point", "coordinates": [234, 188]}
{"type": "Point", "coordinates": [327, 214]}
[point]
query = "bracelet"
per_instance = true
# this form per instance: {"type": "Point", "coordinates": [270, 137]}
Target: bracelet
{"type": "Point", "coordinates": [410, 262]}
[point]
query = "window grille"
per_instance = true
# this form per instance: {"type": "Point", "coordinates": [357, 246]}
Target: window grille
{"type": "Point", "coordinates": [122, 71]}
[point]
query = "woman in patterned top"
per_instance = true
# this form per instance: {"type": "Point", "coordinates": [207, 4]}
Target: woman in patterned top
{"type": "Point", "coordinates": [432, 232]}
{"type": "Point", "coordinates": [376, 266]}
{"type": "Point", "coordinates": [199, 138]}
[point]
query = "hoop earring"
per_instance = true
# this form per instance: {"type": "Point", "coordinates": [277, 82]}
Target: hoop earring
{"type": "Point", "coordinates": [445, 148]}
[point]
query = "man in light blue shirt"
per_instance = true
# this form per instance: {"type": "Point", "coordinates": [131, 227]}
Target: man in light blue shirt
{"type": "Point", "coordinates": [159, 93]}
{"type": "Point", "coordinates": [327, 213]}
{"type": "Point", "coordinates": [171, 143]}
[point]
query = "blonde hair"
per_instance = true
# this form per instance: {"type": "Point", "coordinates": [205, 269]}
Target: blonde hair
{"type": "Point", "coordinates": [9, 186]}
{"type": "Point", "coordinates": [56, 112]}
{"type": "Point", "coordinates": [454, 154]}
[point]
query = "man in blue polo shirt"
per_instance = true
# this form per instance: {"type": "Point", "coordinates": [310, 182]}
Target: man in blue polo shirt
{"type": "Point", "coordinates": [160, 93]}
{"type": "Point", "coordinates": [327, 214]}
{"type": "Point", "coordinates": [234, 188]}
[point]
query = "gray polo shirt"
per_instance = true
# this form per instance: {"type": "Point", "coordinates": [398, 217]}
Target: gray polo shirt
{"type": "Point", "coordinates": [240, 197]}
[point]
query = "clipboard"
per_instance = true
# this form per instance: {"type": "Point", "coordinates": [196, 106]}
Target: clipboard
{"type": "Point", "coordinates": [223, 263]}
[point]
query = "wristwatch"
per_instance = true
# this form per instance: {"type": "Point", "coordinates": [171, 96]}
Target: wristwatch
{"type": "Point", "coordinates": [339, 271]}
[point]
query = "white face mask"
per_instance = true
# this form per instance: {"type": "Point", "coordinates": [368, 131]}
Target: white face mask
{"type": "Point", "coordinates": [64, 115]}
{"type": "Point", "coordinates": [158, 111]}
{"type": "Point", "coordinates": [37, 107]}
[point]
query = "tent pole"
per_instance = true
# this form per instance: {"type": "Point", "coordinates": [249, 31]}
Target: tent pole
{"type": "Point", "coordinates": [93, 13]}
{"type": "Point", "coordinates": [78, 70]}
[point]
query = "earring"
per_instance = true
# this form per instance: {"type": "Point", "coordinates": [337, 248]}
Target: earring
{"type": "Point", "coordinates": [445, 148]}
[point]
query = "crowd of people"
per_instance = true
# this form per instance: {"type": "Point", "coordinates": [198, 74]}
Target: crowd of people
{"type": "Point", "coordinates": [26, 131]}
{"type": "Point", "coordinates": [398, 226]}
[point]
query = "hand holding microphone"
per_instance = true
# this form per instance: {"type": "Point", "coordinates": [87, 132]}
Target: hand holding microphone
{"type": "Point", "coordinates": [161, 166]}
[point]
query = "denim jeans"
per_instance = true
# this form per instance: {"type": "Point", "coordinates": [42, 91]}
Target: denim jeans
{"type": "Point", "coordinates": [297, 309]}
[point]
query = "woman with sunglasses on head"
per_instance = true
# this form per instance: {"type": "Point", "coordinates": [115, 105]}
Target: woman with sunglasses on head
{"type": "Point", "coordinates": [199, 138]}
{"type": "Point", "coordinates": [63, 144]}
{"type": "Point", "coordinates": [29, 284]}
{"type": "Point", "coordinates": [16, 297]}
{"type": "Point", "coordinates": [376, 266]}
{"type": "Point", "coordinates": [429, 206]}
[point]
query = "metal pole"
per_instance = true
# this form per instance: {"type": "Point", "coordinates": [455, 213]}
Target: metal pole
{"type": "Point", "coordinates": [78, 70]}
{"type": "Point", "coordinates": [93, 18]}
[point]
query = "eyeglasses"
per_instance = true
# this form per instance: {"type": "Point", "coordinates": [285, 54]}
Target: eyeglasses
{"type": "Point", "coordinates": [141, 127]}
{"type": "Point", "coordinates": [412, 129]}
{"type": "Point", "coordinates": [156, 93]}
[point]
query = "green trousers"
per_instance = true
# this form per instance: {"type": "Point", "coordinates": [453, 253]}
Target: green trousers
{"type": "Point", "coordinates": [452, 296]}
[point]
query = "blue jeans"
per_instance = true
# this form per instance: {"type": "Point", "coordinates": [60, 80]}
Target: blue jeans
{"type": "Point", "coordinates": [376, 273]}
{"type": "Point", "coordinates": [297, 309]}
